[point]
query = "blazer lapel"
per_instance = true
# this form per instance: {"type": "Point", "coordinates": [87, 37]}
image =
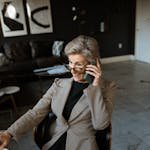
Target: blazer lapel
{"type": "Point", "coordinates": [89, 93]}
{"type": "Point", "coordinates": [79, 107]}
{"type": "Point", "coordinates": [65, 88]}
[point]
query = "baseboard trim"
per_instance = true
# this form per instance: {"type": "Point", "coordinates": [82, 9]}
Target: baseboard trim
{"type": "Point", "coordinates": [117, 59]}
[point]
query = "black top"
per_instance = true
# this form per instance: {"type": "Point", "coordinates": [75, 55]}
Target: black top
{"type": "Point", "coordinates": [74, 95]}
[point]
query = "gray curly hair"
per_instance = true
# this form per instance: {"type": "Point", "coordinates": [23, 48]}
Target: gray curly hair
{"type": "Point", "coordinates": [84, 45]}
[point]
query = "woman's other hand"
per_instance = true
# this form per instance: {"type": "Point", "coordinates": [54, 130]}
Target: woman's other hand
{"type": "Point", "coordinates": [95, 70]}
{"type": "Point", "coordinates": [4, 139]}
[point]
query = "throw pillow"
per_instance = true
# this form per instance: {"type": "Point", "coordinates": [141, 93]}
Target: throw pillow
{"type": "Point", "coordinates": [3, 60]}
{"type": "Point", "coordinates": [7, 51]}
{"type": "Point", "coordinates": [57, 48]}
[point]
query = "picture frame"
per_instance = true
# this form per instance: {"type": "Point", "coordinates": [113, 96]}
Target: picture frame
{"type": "Point", "coordinates": [39, 16]}
{"type": "Point", "coordinates": [12, 18]}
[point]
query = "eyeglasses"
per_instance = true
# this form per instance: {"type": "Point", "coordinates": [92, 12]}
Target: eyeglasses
{"type": "Point", "coordinates": [77, 66]}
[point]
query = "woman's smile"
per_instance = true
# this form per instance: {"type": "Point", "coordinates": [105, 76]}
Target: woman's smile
{"type": "Point", "coordinates": [78, 76]}
{"type": "Point", "coordinates": [77, 66]}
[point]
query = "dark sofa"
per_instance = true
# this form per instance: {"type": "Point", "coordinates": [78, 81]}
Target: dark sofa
{"type": "Point", "coordinates": [25, 56]}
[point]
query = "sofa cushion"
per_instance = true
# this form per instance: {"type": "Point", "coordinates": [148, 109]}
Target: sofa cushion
{"type": "Point", "coordinates": [17, 51]}
{"type": "Point", "coordinates": [41, 48]}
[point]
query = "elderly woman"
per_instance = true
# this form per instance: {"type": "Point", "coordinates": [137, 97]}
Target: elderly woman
{"type": "Point", "coordinates": [77, 102]}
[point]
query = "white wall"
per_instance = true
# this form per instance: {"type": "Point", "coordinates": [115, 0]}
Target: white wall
{"type": "Point", "coordinates": [142, 33]}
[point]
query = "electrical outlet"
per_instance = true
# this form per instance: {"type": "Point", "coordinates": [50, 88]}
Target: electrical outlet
{"type": "Point", "coordinates": [102, 27]}
{"type": "Point", "coordinates": [120, 45]}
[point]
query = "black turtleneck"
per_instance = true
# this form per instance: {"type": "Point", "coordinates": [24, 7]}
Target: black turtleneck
{"type": "Point", "coordinates": [74, 95]}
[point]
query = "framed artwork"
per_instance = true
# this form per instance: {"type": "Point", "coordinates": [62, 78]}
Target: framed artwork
{"type": "Point", "coordinates": [12, 18]}
{"type": "Point", "coordinates": [39, 15]}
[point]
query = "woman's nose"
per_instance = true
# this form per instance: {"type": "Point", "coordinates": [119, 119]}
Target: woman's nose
{"type": "Point", "coordinates": [72, 66]}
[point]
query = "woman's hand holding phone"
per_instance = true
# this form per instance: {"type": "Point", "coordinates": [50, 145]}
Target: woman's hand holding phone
{"type": "Point", "coordinates": [95, 72]}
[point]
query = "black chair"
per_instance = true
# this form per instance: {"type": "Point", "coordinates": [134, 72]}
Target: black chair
{"type": "Point", "coordinates": [42, 134]}
{"type": "Point", "coordinates": [42, 131]}
{"type": "Point", "coordinates": [103, 138]}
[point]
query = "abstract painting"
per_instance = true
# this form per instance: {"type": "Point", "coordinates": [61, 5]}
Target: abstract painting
{"type": "Point", "coordinates": [39, 15]}
{"type": "Point", "coordinates": [12, 18]}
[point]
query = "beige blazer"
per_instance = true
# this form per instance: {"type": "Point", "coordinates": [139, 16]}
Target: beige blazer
{"type": "Point", "coordinates": [89, 114]}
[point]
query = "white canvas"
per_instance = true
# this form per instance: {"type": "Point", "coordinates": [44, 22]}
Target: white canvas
{"type": "Point", "coordinates": [12, 18]}
{"type": "Point", "coordinates": [39, 15]}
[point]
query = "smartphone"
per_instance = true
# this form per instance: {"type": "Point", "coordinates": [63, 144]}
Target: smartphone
{"type": "Point", "coordinates": [89, 78]}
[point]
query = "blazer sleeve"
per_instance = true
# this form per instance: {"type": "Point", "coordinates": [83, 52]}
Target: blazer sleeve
{"type": "Point", "coordinates": [109, 89]}
{"type": "Point", "coordinates": [99, 113]}
{"type": "Point", "coordinates": [34, 116]}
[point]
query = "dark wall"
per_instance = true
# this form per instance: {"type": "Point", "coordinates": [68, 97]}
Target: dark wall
{"type": "Point", "coordinates": [118, 15]}
{"type": "Point", "coordinates": [120, 20]}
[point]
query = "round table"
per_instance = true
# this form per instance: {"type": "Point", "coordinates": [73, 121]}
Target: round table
{"type": "Point", "coordinates": [10, 90]}
{"type": "Point", "coordinates": [1, 93]}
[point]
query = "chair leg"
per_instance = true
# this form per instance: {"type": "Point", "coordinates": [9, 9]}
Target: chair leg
{"type": "Point", "coordinates": [14, 104]}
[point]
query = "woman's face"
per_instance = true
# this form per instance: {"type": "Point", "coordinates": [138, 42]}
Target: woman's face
{"type": "Point", "coordinates": [77, 65]}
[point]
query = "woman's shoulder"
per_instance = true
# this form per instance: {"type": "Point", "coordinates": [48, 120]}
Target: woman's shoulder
{"type": "Point", "coordinates": [61, 81]}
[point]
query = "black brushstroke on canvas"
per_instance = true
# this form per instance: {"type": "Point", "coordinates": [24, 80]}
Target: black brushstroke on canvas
{"type": "Point", "coordinates": [12, 24]}
{"type": "Point", "coordinates": [33, 12]}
